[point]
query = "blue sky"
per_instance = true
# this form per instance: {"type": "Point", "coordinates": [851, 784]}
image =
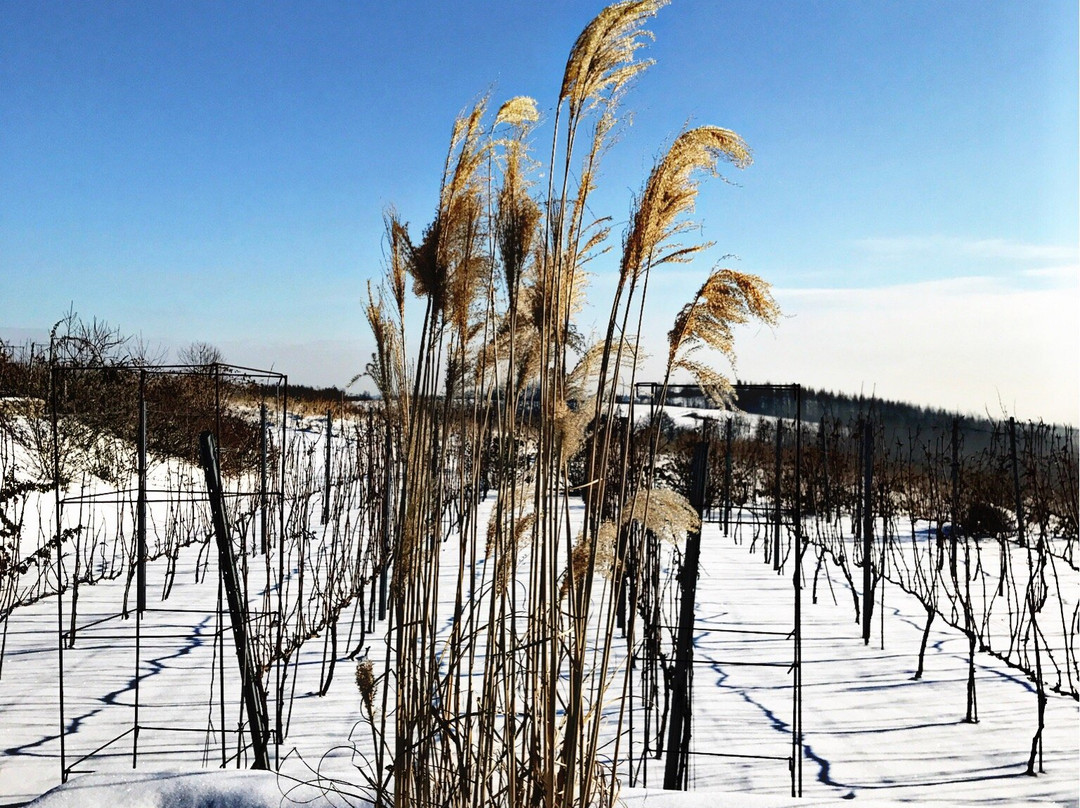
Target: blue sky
{"type": "Point", "coordinates": [218, 171]}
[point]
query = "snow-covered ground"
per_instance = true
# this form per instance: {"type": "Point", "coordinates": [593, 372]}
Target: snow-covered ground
{"type": "Point", "coordinates": [872, 734]}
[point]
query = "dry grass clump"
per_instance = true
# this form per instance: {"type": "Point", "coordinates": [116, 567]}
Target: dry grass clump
{"type": "Point", "coordinates": [503, 707]}
{"type": "Point", "coordinates": [670, 194]}
{"type": "Point", "coordinates": [589, 558]}
{"type": "Point", "coordinates": [602, 60]}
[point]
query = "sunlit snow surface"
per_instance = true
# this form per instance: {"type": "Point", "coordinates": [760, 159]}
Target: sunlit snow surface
{"type": "Point", "coordinates": [872, 735]}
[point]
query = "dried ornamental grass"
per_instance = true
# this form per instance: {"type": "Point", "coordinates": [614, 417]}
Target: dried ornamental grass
{"type": "Point", "coordinates": [589, 557]}
{"type": "Point", "coordinates": [663, 512]}
{"type": "Point", "coordinates": [602, 60]}
{"type": "Point", "coordinates": [670, 194]}
{"type": "Point", "coordinates": [726, 299]}
{"type": "Point", "coordinates": [499, 270]}
{"type": "Point", "coordinates": [365, 683]}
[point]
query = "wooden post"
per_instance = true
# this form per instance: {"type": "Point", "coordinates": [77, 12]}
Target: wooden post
{"type": "Point", "coordinates": [1021, 536]}
{"type": "Point", "coordinates": [796, 664]}
{"type": "Point", "coordinates": [972, 714]}
{"type": "Point", "coordinates": [678, 741]}
{"type": "Point", "coordinates": [727, 474]}
{"type": "Point", "coordinates": [140, 561]}
{"type": "Point", "coordinates": [777, 494]}
{"type": "Point", "coordinates": [263, 484]}
{"type": "Point", "coordinates": [251, 683]}
{"type": "Point", "coordinates": [824, 449]}
{"type": "Point", "coordinates": [140, 503]}
{"type": "Point", "coordinates": [57, 539]}
{"type": "Point", "coordinates": [1040, 687]}
{"type": "Point", "coordinates": [954, 506]}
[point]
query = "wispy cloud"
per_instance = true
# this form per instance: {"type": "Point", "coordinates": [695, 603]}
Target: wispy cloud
{"type": "Point", "coordinates": [1065, 275]}
{"type": "Point", "coordinates": [941, 246]}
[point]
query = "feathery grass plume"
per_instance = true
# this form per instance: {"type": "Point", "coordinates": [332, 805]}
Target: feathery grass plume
{"type": "Point", "coordinates": [581, 241]}
{"type": "Point", "coordinates": [509, 529]}
{"type": "Point", "coordinates": [570, 427]}
{"type": "Point", "coordinates": [462, 211]}
{"type": "Point", "coordinates": [423, 264]}
{"type": "Point", "coordinates": [522, 535]}
{"type": "Point", "coordinates": [517, 218]}
{"type": "Point", "coordinates": [600, 65]}
{"type": "Point", "coordinates": [467, 141]}
{"type": "Point", "coordinates": [670, 193]}
{"type": "Point", "coordinates": [519, 111]}
{"type": "Point", "coordinates": [715, 385]}
{"type": "Point", "coordinates": [398, 236]}
{"type": "Point", "coordinates": [582, 377]}
{"type": "Point", "coordinates": [572, 424]}
{"type": "Point", "coordinates": [517, 328]}
{"type": "Point", "coordinates": [660, 214]}
{"type": "Point", "coordinates": [666, 513]}
{"type": "Point", "coordinates": [453, 236]}
{"type": "Point", "coordinates": [455, 377]}
{"type": "Point", "coordinates": [517, 215]}
{"type": "Point", "coordinates": [727, 298]}
{"type": "Point", "coordinates": [605, 546]}
{"type": "Point", "coordinates": [586, 374]}
{"type": "Point", "coordinates": [497, 520]}
{"type": "Point", "coordinates": [602, 59]}
{"type": "Point", "coordinates": [386, 361]}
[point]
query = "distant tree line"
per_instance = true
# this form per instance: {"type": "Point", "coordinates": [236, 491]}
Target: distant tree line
{"type": "Point", "coordinates": [899, 420]}
{"type": "Point", "coordinates": [779, 401]}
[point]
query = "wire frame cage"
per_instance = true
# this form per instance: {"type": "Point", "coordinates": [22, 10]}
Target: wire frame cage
{"type": "Point", "coordinates": [128, 491]}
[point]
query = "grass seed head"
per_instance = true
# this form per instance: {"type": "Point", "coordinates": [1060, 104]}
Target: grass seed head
{"type": "Point", "coordinates": [666, 513]}
{"type": "Point", "coordinates": [365, 683]}
{"type": "Point", "coordinates": [602, 59]}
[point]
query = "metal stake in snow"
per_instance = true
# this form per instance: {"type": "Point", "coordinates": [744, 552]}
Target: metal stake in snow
{"type": "Point", "coordinates": [678, 742]}
{"type": "Point", "coordinates": [140, 506]}
{"type": "Point", "coordinates": [868, 529]}
{"type": "Point", "coordinates": [326, 468]}
{"type": "Point", "coordinates": [251, 684]}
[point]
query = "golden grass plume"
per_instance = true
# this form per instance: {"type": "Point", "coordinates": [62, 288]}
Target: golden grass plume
{"type": "Point", "coordinates": [386, 362]}
{"type": "Point", "coordinates": [519, 111]}
{"type": "Point", "coordinates": [670, 193]}
{"type": "Point", "coordinates": [726, 298]}
{"type": "Point", "coordinates": [365, 683]}
{"type": "Point", "coordinates": [666, 513]}
{"type": "Point", "coordinates": [602, 59]}
{"type": "Point", "coordinates": [603, 560]}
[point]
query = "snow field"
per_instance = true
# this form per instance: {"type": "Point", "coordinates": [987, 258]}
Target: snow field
{"type": "Point", "coordinates": [870, 731]}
